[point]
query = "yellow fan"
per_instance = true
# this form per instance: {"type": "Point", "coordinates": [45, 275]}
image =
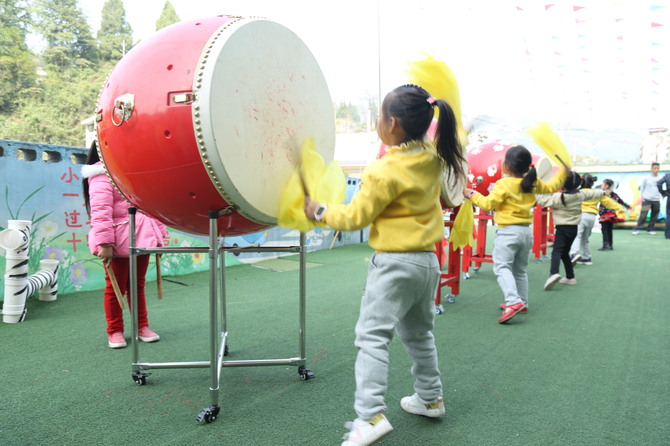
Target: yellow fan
{"type": "Point", "coordinates": [461, 232]}
{"type": "Point", "coordinates": [551, 144]}
{"type": "Point", "coordinates": [439, 80]}
{"type": "Point", "coordinates": [324, 184]}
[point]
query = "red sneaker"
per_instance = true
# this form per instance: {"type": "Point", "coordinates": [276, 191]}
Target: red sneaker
{"type": "Point", "coordinates": [503, 306]}
{"type": "Point", "coordinates": [511, 311]}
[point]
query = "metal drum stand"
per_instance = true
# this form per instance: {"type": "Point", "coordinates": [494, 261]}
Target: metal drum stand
{"type": "Point", "coordinates": [217, 336]}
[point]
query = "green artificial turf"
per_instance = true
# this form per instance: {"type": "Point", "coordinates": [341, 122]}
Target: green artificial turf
{"type": "Point", "coordinates": [588, 365]}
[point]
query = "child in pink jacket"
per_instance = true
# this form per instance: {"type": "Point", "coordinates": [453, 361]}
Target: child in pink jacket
{"type": "Point", "coordinates": [109, 240]}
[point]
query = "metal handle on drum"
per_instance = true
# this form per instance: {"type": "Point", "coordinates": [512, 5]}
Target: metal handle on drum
{"type": "Point", "coordinates": [125, 104]}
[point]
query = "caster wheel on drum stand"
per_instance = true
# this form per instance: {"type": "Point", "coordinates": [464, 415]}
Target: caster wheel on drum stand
{"type": "Point", "coordinates": [140, 378]}
{"type": "Point", "coordinates": [466, 276]}
{"type": "Point", "coordinates": [208, 414]}
{"type": "Point", "coordinates": [451, 298]}
{"type": "Point", "coordinates": [305, 373]}
{"type": "Point", "coordinates": [439, 309]}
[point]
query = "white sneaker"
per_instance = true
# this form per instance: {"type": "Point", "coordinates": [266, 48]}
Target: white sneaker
{"type": "Point", "coordinates": [414, 404]}
{"type": "Point", "coordinates": [363, 433]}
{"type": "Point", "coordinates": [572, 281]}
{"type": "Point", "coordinates": [636, 231]}
{"type": "Point", "coordinates": [551, 281]}
{"type": "Point", "coordinates": [575, 258]}
{"type": "Point", "coordinates": [651, 232]}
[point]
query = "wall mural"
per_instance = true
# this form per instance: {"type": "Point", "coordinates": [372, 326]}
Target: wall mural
{"type": "Point", "coordinates": [41, 183]}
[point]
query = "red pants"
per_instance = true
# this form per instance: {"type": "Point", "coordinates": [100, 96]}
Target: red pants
{"type": "Point", "coordinates": [113, 311]}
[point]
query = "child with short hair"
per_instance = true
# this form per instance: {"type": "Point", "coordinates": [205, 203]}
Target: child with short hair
{"type": "Point", "coordinates": [512, 197]}
{"type": "Point", "coordinates": [400, 199]}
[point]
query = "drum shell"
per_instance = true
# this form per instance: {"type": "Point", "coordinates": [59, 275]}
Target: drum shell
{"type": "Point", "coordinates": [485, 165]}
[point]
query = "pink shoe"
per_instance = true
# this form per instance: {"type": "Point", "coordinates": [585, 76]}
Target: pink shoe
{"type": "Point", "coordinates": [146, 334]}
{"type": "Point", "coordinates": [116, 340]}
{"type": "Point", "coordinates": [511, 311]}
{"type": "Point", "coordinates": [503, 306]}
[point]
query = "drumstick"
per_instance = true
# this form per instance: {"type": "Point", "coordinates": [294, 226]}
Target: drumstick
{"type": "Point", "coordinates": [334, 238]}
{"type": "Point", "coordinates": [358, 186]}
{"type": "Point", "coordinates": [159, 279]}
{"type": "Point", "coordinates": [115, 285]}
{"type": "Point", "coordinates": [302, 181]}
{"type": "Point", "coordinates": [562, 162]}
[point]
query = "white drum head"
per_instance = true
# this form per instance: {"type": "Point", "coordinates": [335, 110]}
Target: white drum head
{"type": "Point", "coordinates": [544, 169]}
{"type": "Point", "coordinates": [260, 93]}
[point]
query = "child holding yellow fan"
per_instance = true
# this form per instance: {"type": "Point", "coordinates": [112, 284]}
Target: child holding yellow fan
{"type": "Point", "coordinates": [567, 211]}
{"type": "Point", "coordinates": [580, 252]}
{"type": "Point", "coordinates": [512, 197]}
{"type": "Point", "coordinates": [399, 199]}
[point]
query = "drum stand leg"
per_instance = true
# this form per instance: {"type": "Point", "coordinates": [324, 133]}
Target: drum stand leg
{"type": "Point", "coordinates": [139, 376]}
{"type": "Point", "coordinates": [219, 350]}
{"type": "Point", "coordinates": [218, 341]}
{"type": "Point", "coordinates": [209, 414]}
{"type": "Point", "coordinates": [303, 371]}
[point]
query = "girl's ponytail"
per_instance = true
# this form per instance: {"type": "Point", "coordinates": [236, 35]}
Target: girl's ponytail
{"type": "Point", "coordinates": [520, 162]}
{"type": "Point", "coordinates": [571, 185]}
{"type": "Point", "coordinates": [447, 138]}
{"type": "Point", "coordinates": [529, 179]}
{"type": "Point", "coordinates": [414, 107]}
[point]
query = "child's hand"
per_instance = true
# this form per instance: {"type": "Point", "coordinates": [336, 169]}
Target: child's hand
{"type": "Point", "coordinates": [310, 207]}
{"type": "Point", "coordinates": [106, 253]}
{"type": "Point", "coordinates": [468, 193]}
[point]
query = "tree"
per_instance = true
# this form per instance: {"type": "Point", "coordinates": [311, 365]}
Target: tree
{"type": "Point", "coordinates": [67, 34]}
{"type": "Point", "coordinates": [348, 111]}
{"type": "Point", "coordinates": [52, 112]}
{"type": "Point", "coordinates": [168, 16]}
{"type": "Point", "coordinates": [17, 69]}
{"type": "Point", "coordinates": [115, 34]}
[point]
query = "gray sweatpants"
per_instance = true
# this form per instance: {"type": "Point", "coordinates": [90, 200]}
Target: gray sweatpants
{"type": "Point", "coordinates": [584, 230]}
{"type": "Point", "coordinates": [399, 295]}
{"type": "Point", "coordinates": [511, 248]}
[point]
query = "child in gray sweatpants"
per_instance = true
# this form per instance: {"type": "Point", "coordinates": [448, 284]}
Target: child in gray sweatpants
{"type": "Point", "coordinates": [395, 299]}
{"type": "Point", "coordinates": [400, 200]}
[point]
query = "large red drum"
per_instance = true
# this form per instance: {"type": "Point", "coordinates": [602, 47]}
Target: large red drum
{"type": "Point", "coordinates": [209, 115]}
{"type": "Point", "coordinates": [485, 165]}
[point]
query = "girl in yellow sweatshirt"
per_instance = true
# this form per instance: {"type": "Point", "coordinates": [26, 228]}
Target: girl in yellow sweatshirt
{"type": "Point", "coordinates": [400, 199]}
{"type": "Point", "coordinates": [512, 197]}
